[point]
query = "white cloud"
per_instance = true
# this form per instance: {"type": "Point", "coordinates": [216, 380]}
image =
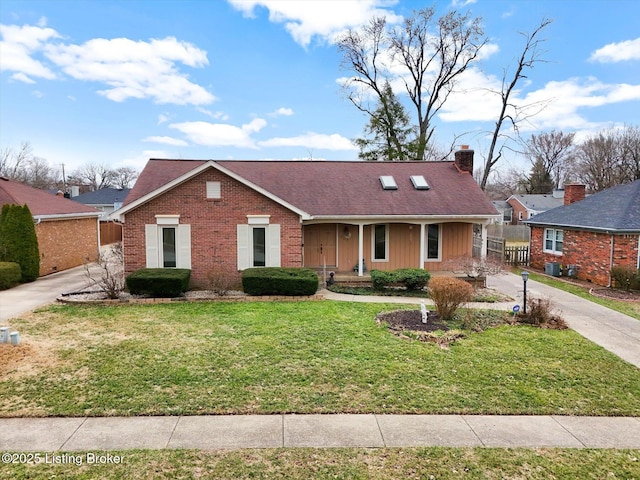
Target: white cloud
{"type": "Point", "coordinates": [312, 140]}
{"type": "Point", "coordinates": [617, 52]}
{"type": "Point", "coordinates": [162, 118]}
{"type": "Point", "coordinates": [139, 160]}
{"type": "Point", "coordinates": [215, 115]}
{"type": "Point", "coordinates": [282, 111]}
{"type": "Point", "coordinates": [21, 77]}
{"type": "Point", "coordinates": [18, 44]}
{"type": "Point", "coordinates": [135, 69]}
{"type": "Point", "coordinates": [462, 3]}
{"type": "Point", "coordinates": [221, 134]}
{"type": "Point", "coordinates": [556, 105]}
{"type": "Point", "coordinates": [176, 142]}
{"type": "Point", "coordinates": [326, 19]}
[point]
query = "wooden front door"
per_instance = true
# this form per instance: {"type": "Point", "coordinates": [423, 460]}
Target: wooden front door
{"type": "Point", "coordinates": [320, 245]}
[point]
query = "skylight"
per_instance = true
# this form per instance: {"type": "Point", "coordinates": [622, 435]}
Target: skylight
{"type": "Point", "coordinates": [419, 183]}
{"type": "Point", "coordinates": [388, 182]}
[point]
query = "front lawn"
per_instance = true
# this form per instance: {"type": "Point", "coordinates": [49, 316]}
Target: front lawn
{"type": "Point", "coordinates": [302, 357]}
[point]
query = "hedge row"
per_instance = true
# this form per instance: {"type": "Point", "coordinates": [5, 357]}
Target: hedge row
{"type": "Point", "coordinates": [10, 275]}
{"type": "Point", "coordinates": [411, 278]}
{"type": "Point", "coordinates": [159, 282]}
{"type": "Point", "coordinates": [279, 281]}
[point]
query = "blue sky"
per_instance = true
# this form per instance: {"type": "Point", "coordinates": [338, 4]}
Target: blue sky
{"type": "Point", "coordinates": [118, 82]}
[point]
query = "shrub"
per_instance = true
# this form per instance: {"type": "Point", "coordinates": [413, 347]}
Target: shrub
{"type": "Point", "coordinates": [540, 313]}
{"type": "Point", "coordinates": [109, 275]}
{"type": "Point", "coordinates": [18, 240]}
{"type": "Point", "coordinates": [448, 293]}
{"type": "Point", "coordinates": [625, 277]}
{"type": "Point", "coordinates": [159, 282]}
{"type": "Point", "coordinates": [10, 275]}
{"type": "Point", "coordinates": [412, 278]}
{"type": "Point", "coordinates": [381, 279]}
{"type": "Point", "coordinates": [279, 281]}
{"type": "Point", "coordinates": [221, 282]}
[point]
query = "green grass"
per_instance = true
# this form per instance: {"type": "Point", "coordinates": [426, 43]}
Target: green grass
{"type": "Point", "coordinates": [628, 308]}
{"type": "Point", "coordinates": [304, 357]}
{"type": "Point", "coordinates": [350, 463]}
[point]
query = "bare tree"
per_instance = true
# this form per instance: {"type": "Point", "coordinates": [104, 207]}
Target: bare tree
{"type": "Point", "coordinates": [431, 53]}
{"type": "Point", "coordinates": [14, 163]}
{"type": "Point", "coordinates": [509, 112]}
{"type": "Point", "coordinates": [97, 176]}
{"type": "Point", "coordinates": [124, 177]}
{"type": "Point", "coordinates": [609, 158]}
{"type": "Point", "coordinates": [554, 152]}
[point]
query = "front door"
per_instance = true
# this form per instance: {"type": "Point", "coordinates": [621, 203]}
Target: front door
{"type": "Point", "coordinates": [320, 245]}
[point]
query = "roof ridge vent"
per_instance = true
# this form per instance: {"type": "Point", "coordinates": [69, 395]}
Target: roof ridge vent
{"type": "Point", "coordinates": [388, 182]}
{"type": "Point", "coordinates": [419, 182]}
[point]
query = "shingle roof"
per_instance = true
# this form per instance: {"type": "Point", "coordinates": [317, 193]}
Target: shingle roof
{"type": "Point", "coordinates": [615, 209]}
{"type": "Point", "coordinates": [333, 188]}
{"type": "Point", "coordinates": [539, 202]}
{"type": "Point", "coordinates": [40, 202]}
{"type": "Point", "coordinates": [104, 196]}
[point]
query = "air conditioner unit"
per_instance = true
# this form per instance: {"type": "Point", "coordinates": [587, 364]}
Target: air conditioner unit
{"type": "Point", "coordinates": [552, 268]}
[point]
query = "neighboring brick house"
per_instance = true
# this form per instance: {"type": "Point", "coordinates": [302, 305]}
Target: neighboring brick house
{"type": "Point", "coordinates": [526, 206]}
{"type": "Point", "coordinates": [226, 216]}
{"type": "Point", "coordinates": [594, 233]}
{"type": "Point", "coordinates": [67, 231]}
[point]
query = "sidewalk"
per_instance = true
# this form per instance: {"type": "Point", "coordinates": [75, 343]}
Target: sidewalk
{"type": "Point", "coordinates": [316, 431]}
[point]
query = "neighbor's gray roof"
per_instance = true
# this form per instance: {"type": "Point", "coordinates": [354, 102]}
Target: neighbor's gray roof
{"type": "Point", "coordinates": [539, 202]}
{"type": "Point", "coordinates": [616, 210]}
{"type": "Point", "coordinates": [104, 196]}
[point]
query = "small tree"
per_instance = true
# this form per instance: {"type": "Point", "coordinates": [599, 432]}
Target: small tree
{"type": "Point", "coordinates": [18, 240]}
{"type": "Point", "coordinates": [109, 277]}
{"type": "Point", "coordinates": [473, 267]}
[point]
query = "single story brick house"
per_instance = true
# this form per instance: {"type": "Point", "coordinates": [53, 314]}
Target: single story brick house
{"type": "Point", "coordinates": [526, 206]}
{"type": "Point", "coordinates": [67, 231]}
{"type": "Point", "coordinates": [594, 233]}
{"type": "Point", "coordinates": [227, 216]}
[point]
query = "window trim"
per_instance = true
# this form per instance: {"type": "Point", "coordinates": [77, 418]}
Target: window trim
{"type": "Point", "coordinates": [554, 240]}
{"type": "Point", "coordinates": [426, 243]}
{"type": "Point", "coordinates": [386, 243]}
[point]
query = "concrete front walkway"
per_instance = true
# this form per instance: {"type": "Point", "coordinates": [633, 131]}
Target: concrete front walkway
{"type": "Point", "coordinates": [319, 431]}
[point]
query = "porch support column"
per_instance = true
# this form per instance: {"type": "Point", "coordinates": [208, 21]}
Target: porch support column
{"type": "Point", "coordinates": [422, 245]}
{"type": "Point", "coordinates": [483, 236]}
{"type": "Point", "coordinates": [360, 248]}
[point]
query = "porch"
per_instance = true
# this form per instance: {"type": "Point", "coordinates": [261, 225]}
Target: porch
{"type": "Point", "coordinates": [353, 249]}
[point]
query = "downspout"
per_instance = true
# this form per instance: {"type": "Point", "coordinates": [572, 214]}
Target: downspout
{"type": "Point", "coordinates": [610, 261]}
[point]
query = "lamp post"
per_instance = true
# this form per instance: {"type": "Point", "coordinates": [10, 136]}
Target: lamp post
{"type": "Point", "coordinates": [525, 277]}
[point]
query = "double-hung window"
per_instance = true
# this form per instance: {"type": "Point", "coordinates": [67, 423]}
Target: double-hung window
{"type": "Point", "coordinates": [553, 240]}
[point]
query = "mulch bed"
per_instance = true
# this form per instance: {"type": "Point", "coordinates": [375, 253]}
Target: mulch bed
{"type": "Point", "coordinates": [616, 294]}
{"type": "Point", "coordinates": [400, 320]}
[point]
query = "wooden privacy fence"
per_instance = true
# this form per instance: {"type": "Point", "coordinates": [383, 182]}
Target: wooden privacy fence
{"type": "Point", "coordinates": [511, 255]}
{"type": "Point", "coordinates": [110, 232]}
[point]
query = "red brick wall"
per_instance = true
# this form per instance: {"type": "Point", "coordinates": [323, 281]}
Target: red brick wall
{"type": "Point", "coordinates": [65, 244]}
{"type": "Point", "coordinates": [213, 225]}
{"type": "Point", "coordinates": [590, 251]}
{"type": "Point", "coordinates": [517, 209]}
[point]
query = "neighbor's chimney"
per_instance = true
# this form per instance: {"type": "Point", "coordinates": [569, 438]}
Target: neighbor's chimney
{"type": "Point", "coordinates": [464, 159]}
{"type": "Point", "coordinates": [574, 192]}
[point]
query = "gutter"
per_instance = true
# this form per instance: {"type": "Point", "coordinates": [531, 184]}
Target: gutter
{"type": "Point", "coordinates": [66, 216]}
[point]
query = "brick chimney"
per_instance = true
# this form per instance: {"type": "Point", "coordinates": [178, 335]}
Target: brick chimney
{"type": "Point", "coordinates": [574, 192]}
{"type": "Point", "coordinates": [464, 159]}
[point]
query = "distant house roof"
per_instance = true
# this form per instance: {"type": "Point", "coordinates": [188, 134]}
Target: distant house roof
{"type": "Point", "coordinates": [104, 196]}
{"type": "Point", "coordinates": [333, 188]}
{"type": "Point", "coordinates": [616, 210]}
{"type": "Point", "coordinates": [40, 203]}
{"type": "Point", "coordinates": [538, 202]}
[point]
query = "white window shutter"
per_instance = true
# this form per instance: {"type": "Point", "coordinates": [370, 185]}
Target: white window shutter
{"type": "Point", "coordinates": [184, 246]}
{"type": "Point", "coordinates": [243, 246]}
{"type": "Point", "coordinates": [273, 243]}
{"type": "Point", "coordinates": [151, 245]}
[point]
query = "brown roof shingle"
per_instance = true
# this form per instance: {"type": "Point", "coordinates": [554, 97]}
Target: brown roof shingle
{"type": "Point", "coordinates": [333, 188]}
{"type": "Point", "coordinates": [39, 201]}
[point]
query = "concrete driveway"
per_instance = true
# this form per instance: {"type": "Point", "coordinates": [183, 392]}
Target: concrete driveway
{"type": "Point", "coordinates": [44, 290]}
